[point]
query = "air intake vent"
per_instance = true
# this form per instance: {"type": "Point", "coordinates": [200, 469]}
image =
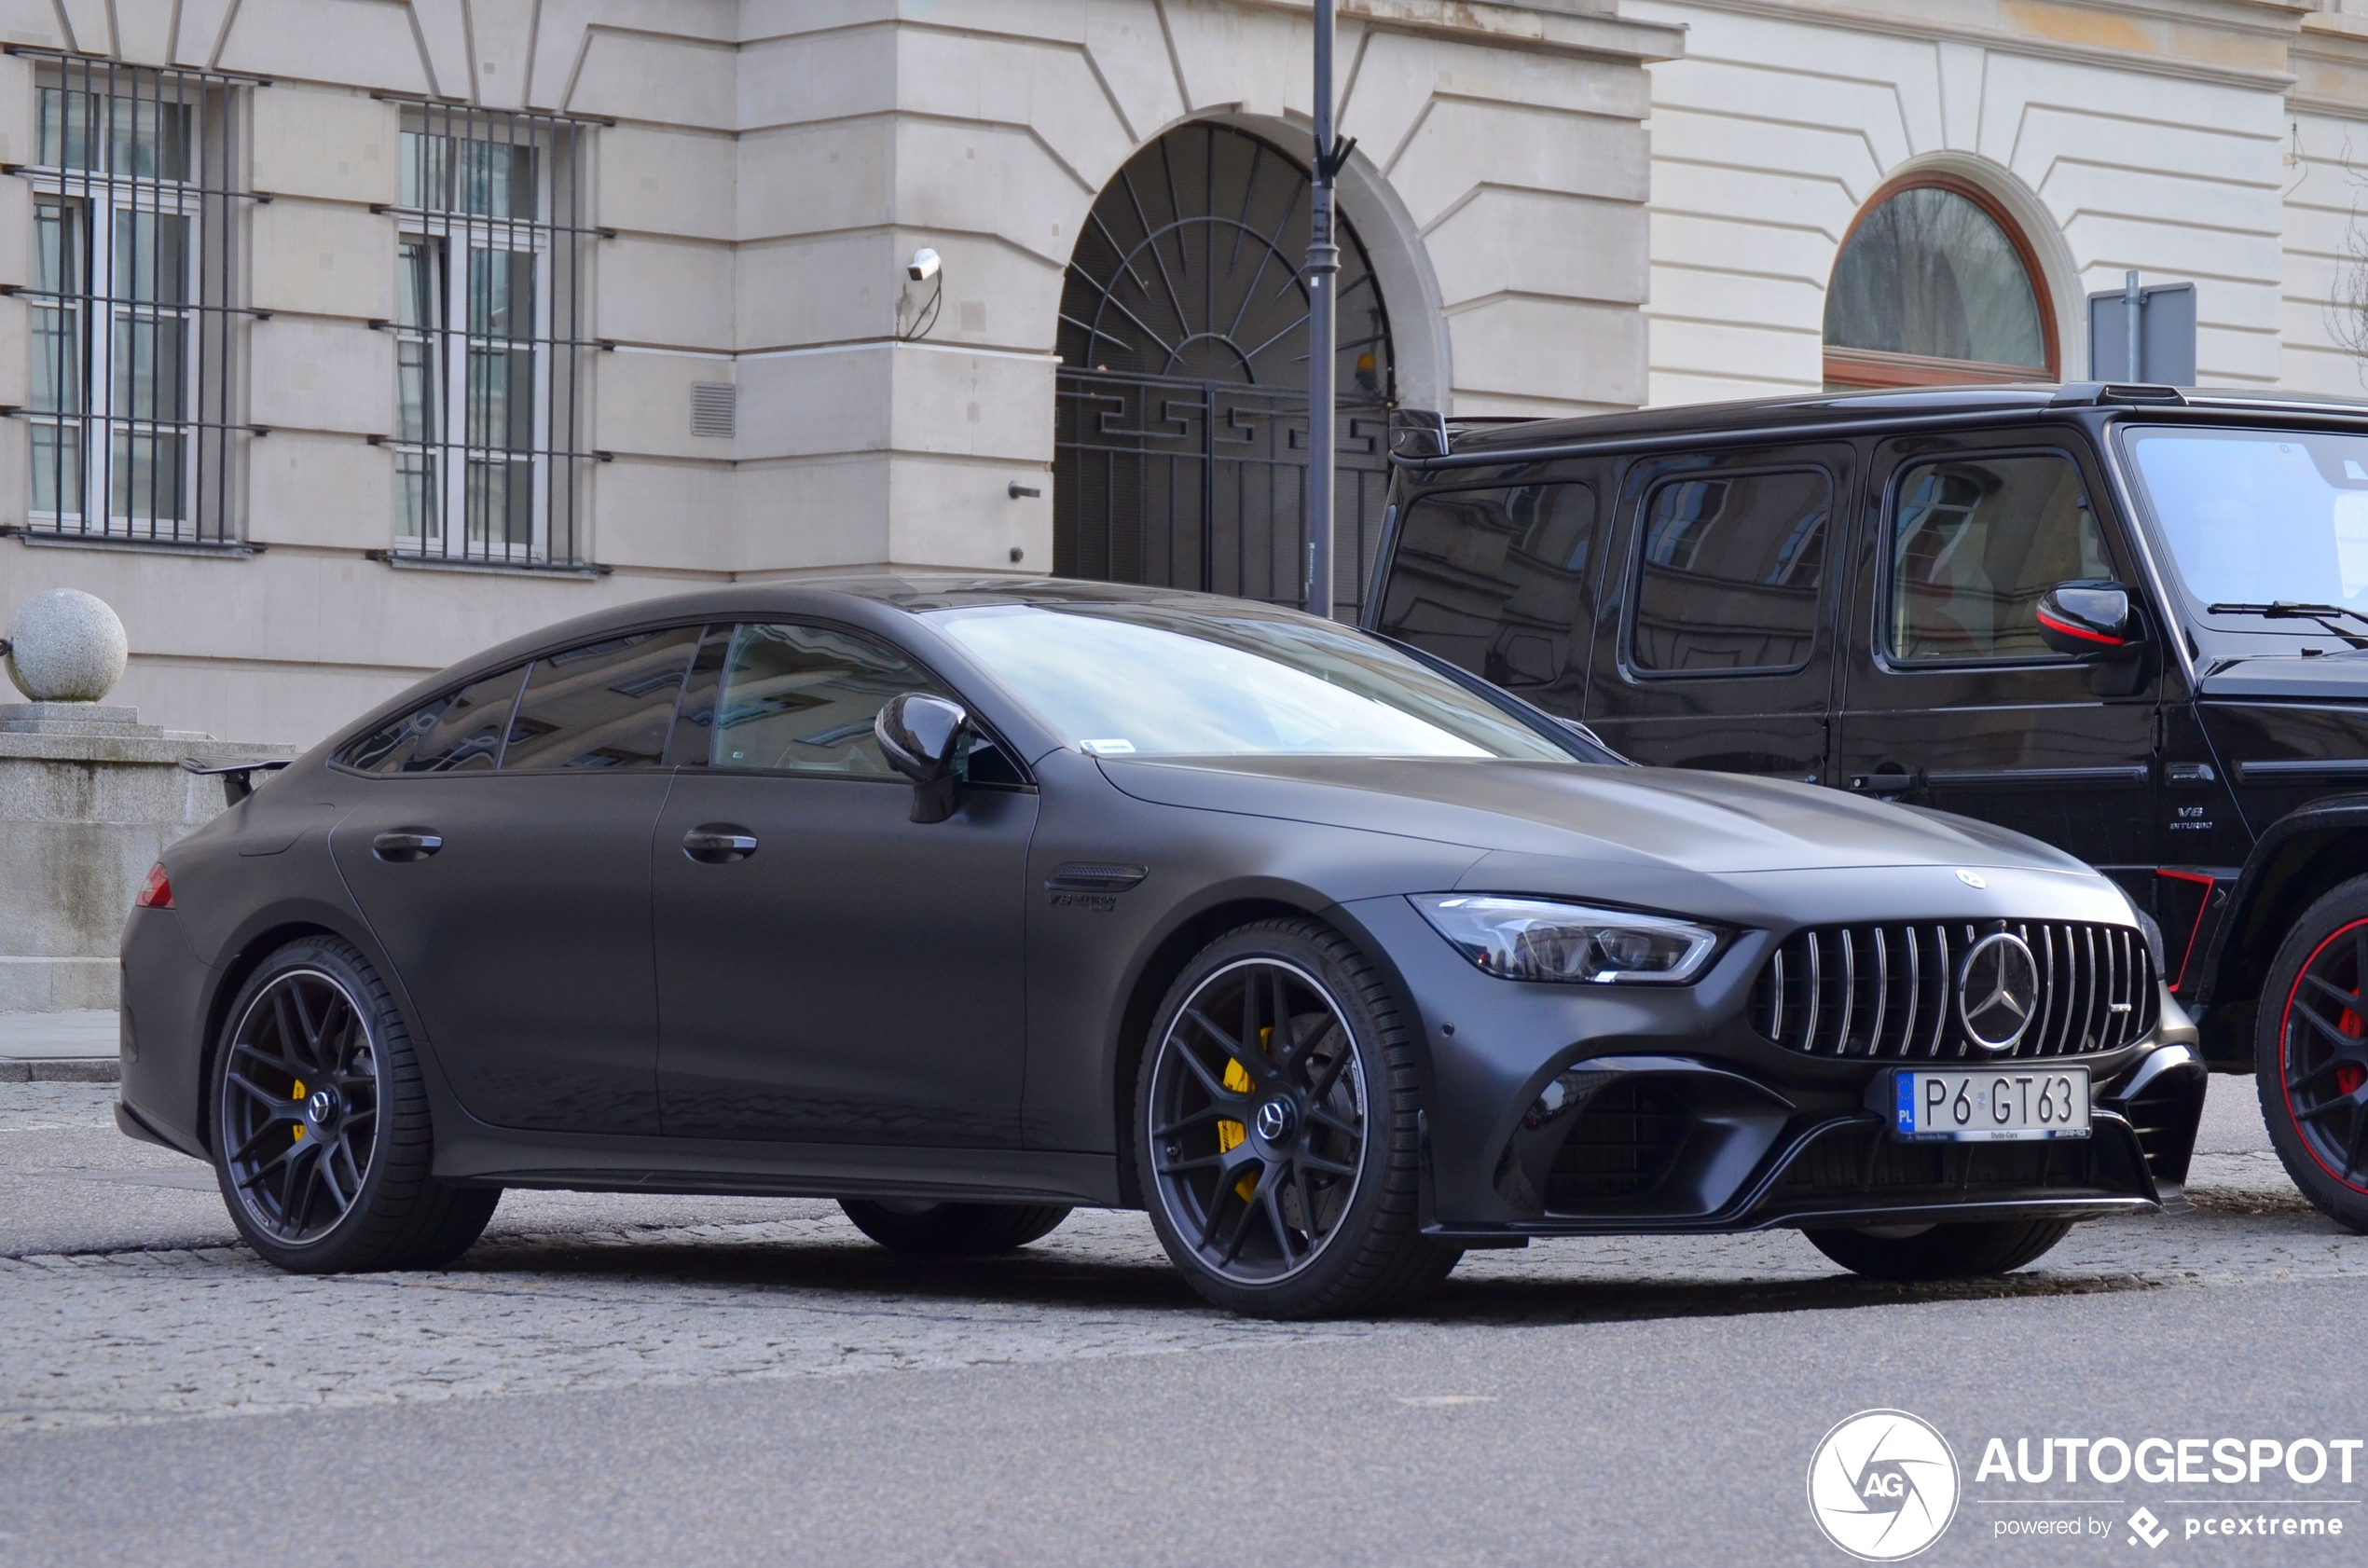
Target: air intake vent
{"type": "Point", "coordinates": [714, 408]}
{"type": "Point", "coordinates": [1621, 1145]}
{"type": "Point", "coordinates": [1890, 992]}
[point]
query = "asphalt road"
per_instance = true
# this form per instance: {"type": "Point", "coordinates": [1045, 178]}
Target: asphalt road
{"type": "Point", "coordinates": [631, 1381]}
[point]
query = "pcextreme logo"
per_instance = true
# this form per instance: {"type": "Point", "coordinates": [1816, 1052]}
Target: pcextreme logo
{"type": "Point", "coordinates": [1882, 1485]}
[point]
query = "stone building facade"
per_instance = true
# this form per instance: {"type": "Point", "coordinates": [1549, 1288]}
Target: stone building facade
{"type": "Point", "coordinates": [345, 336]}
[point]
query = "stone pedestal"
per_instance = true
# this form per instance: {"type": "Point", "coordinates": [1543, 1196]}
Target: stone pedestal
{"type": "Point", "coordinates": [88, 799]}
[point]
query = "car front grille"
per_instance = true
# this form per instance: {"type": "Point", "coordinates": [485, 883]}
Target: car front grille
{"type": "Point", "coordinates": [1621, 1145]}
{"type": "Point", "coordinates": [1890, 992]}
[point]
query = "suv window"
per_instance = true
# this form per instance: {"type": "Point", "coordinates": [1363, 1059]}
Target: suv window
{"type": "Point", "coordinates": [459, 732]}
{"type": "Point", "coordinates": [604, 705]}
{"type": "Point", "coordinates": [1728, 581]}
{"type": "Point", "coordinates": [800, 699]}
{"type": "Point", "coordinates": [1974, 543]}
{"type": "Point", "coordinates": [1494, 581]}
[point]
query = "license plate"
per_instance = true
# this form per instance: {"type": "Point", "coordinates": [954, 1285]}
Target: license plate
{"type": "Point", "coordinates": [1991, 1107]}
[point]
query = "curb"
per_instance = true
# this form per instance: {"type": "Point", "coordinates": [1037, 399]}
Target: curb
{"type": "Point", "coordinates": [74, 1069]}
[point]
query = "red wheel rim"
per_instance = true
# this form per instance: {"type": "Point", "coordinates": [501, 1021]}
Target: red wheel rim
{"type": "Point", "coordinates": [2322, 1054]}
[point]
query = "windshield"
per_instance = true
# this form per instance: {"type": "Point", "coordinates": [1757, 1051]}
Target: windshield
{"type": "Point", "coordinates": [1152, 679]}
{"type": "Point", "coordinates": [2255, 517]}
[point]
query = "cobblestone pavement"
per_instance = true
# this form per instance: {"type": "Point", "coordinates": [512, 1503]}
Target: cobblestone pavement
{"type": "Point", "coordinates": [127, 1300]}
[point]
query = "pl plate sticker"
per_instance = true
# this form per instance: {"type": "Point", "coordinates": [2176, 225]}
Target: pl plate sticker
{"type": "Point", "coordinates": [1882, 1485]}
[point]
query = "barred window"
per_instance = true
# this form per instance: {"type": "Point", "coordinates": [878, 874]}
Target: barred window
{"type": "Point", "coordinates": [135, 333]}
{"type": "Point", "coordinates": [491, 394]}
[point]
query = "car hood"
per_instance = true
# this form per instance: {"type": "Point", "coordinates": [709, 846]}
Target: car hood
{"type": "Point", "coordinates": [1712, 823]}
{"type": "Point", "coordinates": [2321, 678]}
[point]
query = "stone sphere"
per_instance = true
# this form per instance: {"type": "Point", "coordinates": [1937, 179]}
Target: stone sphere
{"type": "Point", "coordinates": [65, 646]}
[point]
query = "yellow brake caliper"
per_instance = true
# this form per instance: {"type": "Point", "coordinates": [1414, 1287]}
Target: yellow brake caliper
{"type": "Point", "coordinates": [1231, 1134]}
{"type": "Point", "coordinates": [299, 1100]}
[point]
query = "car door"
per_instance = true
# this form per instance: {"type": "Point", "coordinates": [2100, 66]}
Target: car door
{"type": "Point", "coordinates": [502, 856]}
{"type": "Point", "coordinates": [829, 970]}
{"type": "Point", "coordinates": [1950, 698]}
{"type": "Point", "coordinates": [1715, 641]}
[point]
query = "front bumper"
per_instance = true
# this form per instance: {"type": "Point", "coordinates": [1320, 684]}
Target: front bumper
{"type": "Point", "coordinates": [1566, 1110]}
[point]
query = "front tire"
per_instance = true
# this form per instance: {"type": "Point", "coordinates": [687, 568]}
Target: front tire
{"type": "Point", "coordinates": [1276, 1129]}
{"type": "Point", "coordinates": [952, 1230]}
{"type": "Point", "coordinates": [1938, 1252]}
{"type": "Point", "coordinates": [320, 1137]}
{"type": "Point", "coordinates": [2310, 1054]}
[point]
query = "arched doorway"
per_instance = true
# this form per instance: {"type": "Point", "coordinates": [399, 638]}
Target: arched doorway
{"type": "Point", "coordinates": [1181, 431]}
{"type": "Point", "coordinates": [1936, 285]}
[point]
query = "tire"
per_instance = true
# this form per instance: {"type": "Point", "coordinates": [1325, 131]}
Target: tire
{"type": "Point", "coordinates": [2311, 1054]}
{"type": "Point", "coordinates": [1305, 1202]}
{"type": "Point", "coordinates": [952, 1230]}
{"type": "Point", "coordinates": [316, 1018]}
{"type": "Point", "coordinates": [1965, 1251]}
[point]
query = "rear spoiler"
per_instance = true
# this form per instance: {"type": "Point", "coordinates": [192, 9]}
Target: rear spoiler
{"type": "Point", "coordinates": [237, 778]}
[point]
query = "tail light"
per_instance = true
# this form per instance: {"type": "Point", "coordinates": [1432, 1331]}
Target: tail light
{"type": "Point", "coordinates": [157, 892]}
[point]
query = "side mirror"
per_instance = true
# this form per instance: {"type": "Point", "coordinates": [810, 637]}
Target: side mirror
{"type": "Point", "coordinates": [2086, 619]}
{"type": "Point", "coordinates": [927, 740]}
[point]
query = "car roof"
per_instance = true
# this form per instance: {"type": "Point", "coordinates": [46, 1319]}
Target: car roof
{"type": "Point", "coordinates": [1835, 411]}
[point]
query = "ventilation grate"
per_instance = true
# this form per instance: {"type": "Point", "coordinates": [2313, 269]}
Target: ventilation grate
{"type": "Point", "coordinates": [714, 409]}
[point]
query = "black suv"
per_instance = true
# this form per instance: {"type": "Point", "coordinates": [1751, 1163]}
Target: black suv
{"type": "Point", "coordinates": [2128, 619]}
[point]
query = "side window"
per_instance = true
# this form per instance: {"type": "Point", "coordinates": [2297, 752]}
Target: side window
{"type": "Point", "coordinates": [605, 705]}
{"type": "Point", "coordinates": [1974, 543]}
{"type": "Point", "coordinates": [459, 732]}
{"type": "Point", "coordinates": [800, 699]}
{"type": "Point", "coordinates": [1495, 581]}
{"type": "Point", "coordinates": [1731, 576]}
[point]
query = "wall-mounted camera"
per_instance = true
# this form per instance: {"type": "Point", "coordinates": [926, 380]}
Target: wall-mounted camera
{"type": "Point", "coordinates": [923, 266]}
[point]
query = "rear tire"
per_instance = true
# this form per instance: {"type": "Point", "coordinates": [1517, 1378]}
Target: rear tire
{"type": "Point", "coordinates": [952, 1230]}
{"type": "Point", "coordinates": [1940, 1252]}
{"type": "Point", "coordinates": [2310, 1054]}
{"type": "Point", "coordinates": [314, 1049]}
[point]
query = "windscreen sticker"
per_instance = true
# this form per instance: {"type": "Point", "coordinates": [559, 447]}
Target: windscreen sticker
{"type": "Point", "coordinates": [1106, 747]}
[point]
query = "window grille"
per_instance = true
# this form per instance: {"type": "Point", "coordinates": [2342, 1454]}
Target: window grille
{"type": "Point", "coordinates": [137, 340]}
{"type": "Point", "coordinates": [491, 393]}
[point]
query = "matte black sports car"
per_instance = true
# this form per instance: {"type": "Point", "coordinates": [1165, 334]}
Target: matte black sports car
{"type": "Point", "coordinates": [966, 902]}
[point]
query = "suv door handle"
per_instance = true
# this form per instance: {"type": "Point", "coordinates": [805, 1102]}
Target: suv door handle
{"type": "Point", "coordinates": [718, 843]}
{"type": "Point", "coordinates": [1886, 783]}
{"type": "Point", "coordinates": [402, 845]}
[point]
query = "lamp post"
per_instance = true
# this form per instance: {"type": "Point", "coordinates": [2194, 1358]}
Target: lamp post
{"type": "Point", "coordinates": [1323, 274]}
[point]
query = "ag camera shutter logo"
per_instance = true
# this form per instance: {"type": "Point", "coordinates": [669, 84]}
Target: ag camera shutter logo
{"type": "Point", "coordinates": [1883, 1485]}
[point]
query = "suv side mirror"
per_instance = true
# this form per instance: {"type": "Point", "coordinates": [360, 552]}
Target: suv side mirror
{"type": "Point", "coordinates": [2086, 618]}
{"type": "Point", "coordinates": [927, 740]}
{"type": "Point", "coordinates": [2093, 621]}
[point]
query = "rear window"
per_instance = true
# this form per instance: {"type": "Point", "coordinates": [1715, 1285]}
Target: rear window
{"type": "Point", "coordinates": [1494, 581]}
{"type": "Point", "coordinates": [459, 732]}
{"type": "Point", "coordinates": [1729, 580]}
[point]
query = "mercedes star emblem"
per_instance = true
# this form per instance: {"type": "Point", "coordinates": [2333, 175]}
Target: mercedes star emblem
{"type": "Point", "coordinates": [1997, 987]}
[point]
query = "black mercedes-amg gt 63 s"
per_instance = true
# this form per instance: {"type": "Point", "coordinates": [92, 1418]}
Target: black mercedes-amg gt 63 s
{"type": "Point", "coordinates": [966, 902]}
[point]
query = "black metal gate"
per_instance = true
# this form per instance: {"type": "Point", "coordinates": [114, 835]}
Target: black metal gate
{"type": "Point", "coordinates": [1181, 432]}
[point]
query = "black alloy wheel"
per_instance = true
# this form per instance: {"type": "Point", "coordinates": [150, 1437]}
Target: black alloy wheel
{"type": "Point", "coordinates": [2311, 1054]}
{"type": "Point", "coordinates": [321, 1132]}
{"type": "Point", "coordinates": [300, 1107]}
{"type": "Point", "coordinates": [1276, 1129]}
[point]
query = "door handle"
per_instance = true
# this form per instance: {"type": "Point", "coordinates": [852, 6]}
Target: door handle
{"type": "Point", "coordinates": [718, 843]}
{"type": "Point", "coordinates": [405, 844]}
{"type": "Point", "coordinates": [1888, 782]}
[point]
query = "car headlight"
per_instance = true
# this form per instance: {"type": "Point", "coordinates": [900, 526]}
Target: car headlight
{"type": "Point", "coordinates": [1543, 938]}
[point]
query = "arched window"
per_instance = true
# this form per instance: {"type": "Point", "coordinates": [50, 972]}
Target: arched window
{"type": "Point", "coordinates": [1936, 284]}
